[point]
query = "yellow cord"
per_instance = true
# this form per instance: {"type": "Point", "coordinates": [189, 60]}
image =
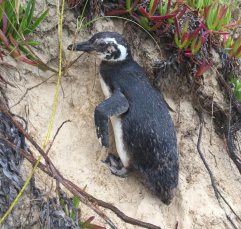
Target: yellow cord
{"type": "Point", "coordinates": [59, 77]}
{"type": "Point", "coordinates": [52, 118]}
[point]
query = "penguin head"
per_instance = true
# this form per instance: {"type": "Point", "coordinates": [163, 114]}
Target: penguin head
{"type": "Point", "coordinates": [108, 46]}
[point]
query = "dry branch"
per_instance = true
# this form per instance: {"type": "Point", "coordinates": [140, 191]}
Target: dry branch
{"type": "Point", "coordinates": [84, 197]}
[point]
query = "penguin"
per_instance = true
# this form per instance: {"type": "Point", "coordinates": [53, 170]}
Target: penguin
{"type": "Point", "coordinates": [145, 136]}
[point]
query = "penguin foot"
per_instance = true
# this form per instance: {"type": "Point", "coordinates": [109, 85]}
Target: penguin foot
{"type": "Point", "coordinates": [116, 167]}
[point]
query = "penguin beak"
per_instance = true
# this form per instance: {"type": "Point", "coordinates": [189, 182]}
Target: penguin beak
{"type": "Point", "coordinates": [82, 46]}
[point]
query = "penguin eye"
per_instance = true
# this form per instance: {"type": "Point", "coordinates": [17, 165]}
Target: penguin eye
{"type": "Point", "coordinates": [102, 43]}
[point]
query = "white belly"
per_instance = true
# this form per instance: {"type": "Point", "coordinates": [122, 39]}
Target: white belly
{"type": "Point", "coordinates": [117, 127]}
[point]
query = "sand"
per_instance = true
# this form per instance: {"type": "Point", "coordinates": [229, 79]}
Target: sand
{"type": "Point", "coordinates": [77, 152]}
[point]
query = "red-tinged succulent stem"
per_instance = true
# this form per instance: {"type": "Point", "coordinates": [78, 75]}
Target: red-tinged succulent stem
{"type": "Point", "coordinates": [14, 43]}
{"type": "Point", "coordinates": [116, 12]}
{"type": "Point", "coordinates": [169, 6]}
{"type": "Point", "coordinates": [206, 9]}
{"type": "Point", "coordinates": [220, 15]}
{"type": "Point", "coordinates": [136, 18]}
{"type": "Point", "coordinates": [236, 44]}
{"type": "Point", "coordinates": [205, 69]}
{"type": "Point", "coordinates": [237, 52]}
{"type": "Point", "coordinates": [163, 17]}
{"type": "Point", "coordinates": [229, 25]}
{"type": "Point", "coordinates": [207, 32]}
{"type": "Point", "coordinates": [182, 12]}
{"type": "Point", "coordinates": [220, 32]}
{"type": "Point", "coordinates": [184, 37]}
{"type": "Point", "coordinates": [175, 12]}
{"type": "Point", "coordinates": [154, 7]}
{"type": "Point", "coordinates": [16, 55]}
{"type": "Point", "coordinates": [180, 2]}
{"type": "Point", "coordinates": [203, 26]}
{"type": "Point", "coordinates": [177, 27]}
{"type": "Point", "coordinates": [156, 26]}
{"type": "Point", "coordinates": [134, 5]}
{"type": "Point", "coordinates": [5, 21]}
{"type": "Point", "coordinates": [199, 72]}
{"type": "Point", "coordinates": [176, 38]}
{"type": "Point", "coordinates": [189, 39]}
{"type": "Point", "coordinates": [204, 38]}
{"type": "Point", "coordinates": [239, 20]}
{"type": "Point", "coordinates": [185, 26]}
{"type": "Point", "coordinates": [1, 57]}
{"type": "Point", "coordinates": [143, 11]}
{"type": "Point", "coordinates": [189, 54]}
{"type": "Point", "coordinates": [196, 31]}
{"type": "Point", "coordinates": [231, 51]}
{"type": "Point", "coordinates": [224, 40]}
{"type": "Point", "coordinates": [87, 222]}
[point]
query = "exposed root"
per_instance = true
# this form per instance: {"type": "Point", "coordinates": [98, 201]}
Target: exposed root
{"type": "Point", "coordinates": [216, 191]}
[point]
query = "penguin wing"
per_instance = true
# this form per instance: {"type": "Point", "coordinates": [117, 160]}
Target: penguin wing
{"type": "Point", "coordinates": [115, 105]}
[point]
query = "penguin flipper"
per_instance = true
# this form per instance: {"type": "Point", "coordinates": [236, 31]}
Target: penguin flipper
{"type": "Point", "coordinates": [115, 105]}
{"type": "Point", "coordinates": [116, 167]}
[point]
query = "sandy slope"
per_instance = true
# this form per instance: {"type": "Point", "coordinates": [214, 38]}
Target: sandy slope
{"type": "Point", "coordinates": [78, 154]}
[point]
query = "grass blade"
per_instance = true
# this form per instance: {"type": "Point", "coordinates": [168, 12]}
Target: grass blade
{"type": "Point", "coordinates": [36, 23]}
{"type": "Point", "coordinates": [30, 17]}
{"type": "Point", "coordinates": [26, 13]}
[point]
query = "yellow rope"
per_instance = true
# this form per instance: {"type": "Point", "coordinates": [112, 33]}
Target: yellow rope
{"type": "Point", "coordinates": [52, 118]}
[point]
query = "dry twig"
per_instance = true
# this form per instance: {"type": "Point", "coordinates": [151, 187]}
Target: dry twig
{"type": "Point", "coordinates": [30, 88]}
{"type": "Point", "coordinates": [55, 136]}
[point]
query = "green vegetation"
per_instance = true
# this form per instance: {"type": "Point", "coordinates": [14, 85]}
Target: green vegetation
{"type": "Point", "coordinates": [15, 23]}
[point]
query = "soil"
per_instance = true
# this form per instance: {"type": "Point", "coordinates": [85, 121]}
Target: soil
{"type": "Point", "coordinates": [78, 154]}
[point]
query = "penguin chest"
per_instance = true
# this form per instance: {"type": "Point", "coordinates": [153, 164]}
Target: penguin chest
{"type": "Point", "coordinates": [117, 127]}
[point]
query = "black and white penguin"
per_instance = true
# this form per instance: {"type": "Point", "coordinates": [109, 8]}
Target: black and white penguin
{"type": "Point", "coordinates": [144, 132]}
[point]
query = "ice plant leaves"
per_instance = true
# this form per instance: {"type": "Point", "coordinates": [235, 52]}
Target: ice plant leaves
{"type": "Point", "coordinates": [87, 224]}
{"type": "Point", "coordinates": [202, 69]}
{"type": "Point", "coordinates": [232, 47]}
{"type": "Point", "coordinates": [183, 40]}
{"type": "Point", "coordinates": [217, 18]}
{"type": "Point", "coordinates": [128, 9]}
{"type": "Point", "coordinates": [146, 17]}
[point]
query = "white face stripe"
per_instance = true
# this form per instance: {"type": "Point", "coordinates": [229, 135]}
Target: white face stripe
{"type": "Point", "coordinates": [123, 51]}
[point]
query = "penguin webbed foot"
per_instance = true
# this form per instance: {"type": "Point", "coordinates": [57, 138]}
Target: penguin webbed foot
{"type": "Point", "coordinates": [116, 167]}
